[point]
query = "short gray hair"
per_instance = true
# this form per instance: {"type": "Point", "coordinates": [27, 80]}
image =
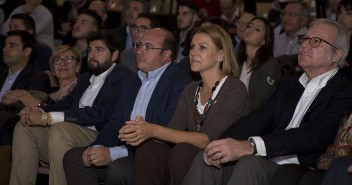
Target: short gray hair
{"type": "Point", "coordinates": [342, 38]}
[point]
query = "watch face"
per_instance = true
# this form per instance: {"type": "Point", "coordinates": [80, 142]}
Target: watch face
{"type": "Point", "coordinates": [44, 116]}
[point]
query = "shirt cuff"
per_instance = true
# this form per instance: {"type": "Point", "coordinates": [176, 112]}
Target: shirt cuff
{"type": "Point", "coordinates": [57, 117]}
{"type": "Point", "coordinates": [118, 152]}
{"type": "Point", "coordinates": [259, 143]}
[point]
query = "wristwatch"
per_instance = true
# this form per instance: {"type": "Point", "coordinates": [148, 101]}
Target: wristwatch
{"type": "Point", "coordinates": [44, 118]}
{"type": "Point", "coordinates": [251, 140]}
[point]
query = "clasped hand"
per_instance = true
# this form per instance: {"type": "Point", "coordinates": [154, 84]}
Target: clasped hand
{"type": "Point", "coordinates": [225, 150]}
{"type": "Point", "coordinates": [31, 116]}
{"type": "Point", "coordinates": [136, 131]}
{"type": "Point", "coordinates": [97, 156]}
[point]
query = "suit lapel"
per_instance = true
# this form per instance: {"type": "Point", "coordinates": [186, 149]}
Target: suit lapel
{"type": "Point", "coordinates": [326, 91]}
{"type": "Point", "coordinates": [160, 89]}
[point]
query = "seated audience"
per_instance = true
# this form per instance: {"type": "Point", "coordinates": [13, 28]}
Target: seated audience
{"type": "Point", "coordinates": [43, 20]}
{"type": "Point", "coordinates": [295, 18]}
{"type": "Point", "coordinates": [295, 126]}
{"type": "Point", "coordinates": [143, 23]}
{"type": "Point", "coordinates": [205, 109]}
{"type": "Point", "coordinates": [26, 23]}
{"type": "Point", "coordinates": [151, 93]}
{"type": "Point", "coordinates": [260, 72]}
{"type": "Point", "coordinates": [65, 64]}
{"type": "Point", "coordinates": [46, 133]}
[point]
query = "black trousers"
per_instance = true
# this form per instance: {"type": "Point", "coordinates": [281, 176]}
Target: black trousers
{"type": "Point", "coordinates": [161, 164]}
{"type": "Point", "coordinates": [119, 172]}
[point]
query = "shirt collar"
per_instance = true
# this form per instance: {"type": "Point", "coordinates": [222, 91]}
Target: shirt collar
{"type": "Point", "coordinates": [152, 74]}
{"type": "Point", "coordinates": [321, 80]}
{"type": "Point", "coordinates": [95, 79]}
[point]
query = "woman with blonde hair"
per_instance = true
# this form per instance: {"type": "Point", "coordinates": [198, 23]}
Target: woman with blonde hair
{"type": "Point", "coordinates": [205, 109]}
{"type": "Point", "coordinates": [65, 65]}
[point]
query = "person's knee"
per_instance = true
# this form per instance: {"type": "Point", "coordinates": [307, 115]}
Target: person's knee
{"type": "Point", "coordinates": [183, 152]}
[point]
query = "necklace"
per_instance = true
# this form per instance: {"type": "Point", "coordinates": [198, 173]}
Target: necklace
{"type": "Point", "coordinates": [200, 118]}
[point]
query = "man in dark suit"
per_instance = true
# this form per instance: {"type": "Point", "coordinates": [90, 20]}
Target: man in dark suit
{"type": "Point", "coordinates": [21, 74]}
{"type": "Point", "coordinates": [75, 121]}
{"type": "Point", "coordinates": [297, 123]}
{"type": "Point", "coordinates": [151, 93]}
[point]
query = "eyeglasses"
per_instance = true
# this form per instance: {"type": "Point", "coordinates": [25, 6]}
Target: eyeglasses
{"type": "Point", "coordinates": [290, 14]}
{"type": "Point", "coordinates": [314, 42]}
{"type": "Point", "coordinates": [139, 45]}
{"type": "Point", "coordinates": [66, 60]}
{"type": "Point", "coordinates": [139, 28]}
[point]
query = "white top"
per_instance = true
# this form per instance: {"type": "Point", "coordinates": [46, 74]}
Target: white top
{"type": "Point", "coordinates": [245, 74]}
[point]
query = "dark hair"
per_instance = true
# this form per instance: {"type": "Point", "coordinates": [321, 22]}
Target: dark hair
{"type": "Point", "coordinates": [27, 20]}
{"type": "Point", "coordinates": [110, 38]}
{"type": "Point", "coordinates": [96, 17]}
{"type": "Point", "coordinates": [346, 4]}
{"type": "Point", "coordinates": [170, 43]}
{"type": "Point", "coordinates": [145, 5]}
{"type": "Point", "coordinates": [154, 22]}
{"type": "Point", "coordinates": [189, 4]}
{"type": "Point", "coordinates": [264, 52]}
{"type": "Point", "coordinates": [215, 20]}
{"type": "Point", "coordinates": [27, 39]}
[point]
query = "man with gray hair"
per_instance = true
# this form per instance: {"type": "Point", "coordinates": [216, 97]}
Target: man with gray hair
{"type": "Point", "coordinates": [295, 126]}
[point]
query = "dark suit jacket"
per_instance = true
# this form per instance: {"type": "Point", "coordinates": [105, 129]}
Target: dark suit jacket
{"type": "Point", "coordinates": [121, 30]}
{"type": "Point", "coordinates": [317, 129]}
{"type": "Point", "coordinates": [160, 109]}
{"type": "Point", "coordinates": [99, 113]}
{"type": "Point", "coordinates": [30, 78]}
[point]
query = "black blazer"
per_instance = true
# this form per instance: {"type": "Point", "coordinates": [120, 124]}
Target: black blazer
{"type": "Point", "coordinates": [317, 129]}
{"type": "Point", "coordinates": [30, 78]}
{"type": "Point", "coordinates": [160, 109]}
{"type": "Point", "coordinates": [99, 113]}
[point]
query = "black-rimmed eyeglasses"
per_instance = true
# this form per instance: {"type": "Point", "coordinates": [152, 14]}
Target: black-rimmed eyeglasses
{"type": "Point", "coordinates": [314, 42]}
{"type": "Point", "coordinates": [139, 28]}
{"type": "Point", "coordinates": [66, 60]}
{"type": "Point", "coordinates": [139, 45]}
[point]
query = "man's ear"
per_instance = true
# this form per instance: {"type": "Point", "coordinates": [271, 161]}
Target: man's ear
{"type": "Point", "coordinates": [338, 55]}
{"type": "Point", "coordinates": [167, 54]}
{"type": "Point", "coordinates": [27, 51]}
{"type": "Point", "coordinates": [115, 55]}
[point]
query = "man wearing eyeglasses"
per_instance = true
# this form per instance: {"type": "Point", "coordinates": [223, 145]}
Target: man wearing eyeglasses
{"type": "Point", "coordinates": [143, 23]}
{"type": "Point", "coordinates": [295, 18]}
{"type": "Point", "coordinates": [47, 132]}
{"type": "Point", "coordinates": [152, 93]}
{"type": "Point", "coordinates": [294, 126]}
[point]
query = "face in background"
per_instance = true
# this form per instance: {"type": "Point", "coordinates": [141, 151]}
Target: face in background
{"type": "Point", "coordinates": [140, 26]}
{"type": "Point", "coordinates": [344, 17]}
{"type": "Point", "coordinates": [293, 20]}
{"type": "Point", "coordinates": [83, 26]}
{"type": "Point", "coordinates": [254, 33]}
{"type": "Point", "coordinates": [99, 57]}
{"type": "Point", "coordinates": [227, 7]}
{"type": "Point", "coordinates": [185, 18]}
{"type": "Point", "coordinates": [17, 24]}
{"type": "Point", "coordinates": [99, 7]}
{"type": "Point", "coordinates": [134, 8]}
{"type": "Point", "coordinates": [322, 58]}
{"type": "Point", "coordinates": [242, 22]}
{"type": "Point", "coordinates": [204, 55]}
{"type": "Point", "coordinates": [66, 66]}
{"type": "Point", "coordinates": [14, 53]}
{"type": "Point", "coordinates": [151, 59]}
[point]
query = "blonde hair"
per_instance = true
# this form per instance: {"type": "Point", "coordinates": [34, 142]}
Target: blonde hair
{"type": "Point", "coordinates": [222, 41]}
{"type": "Point", "coordinates": [62, 49]}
